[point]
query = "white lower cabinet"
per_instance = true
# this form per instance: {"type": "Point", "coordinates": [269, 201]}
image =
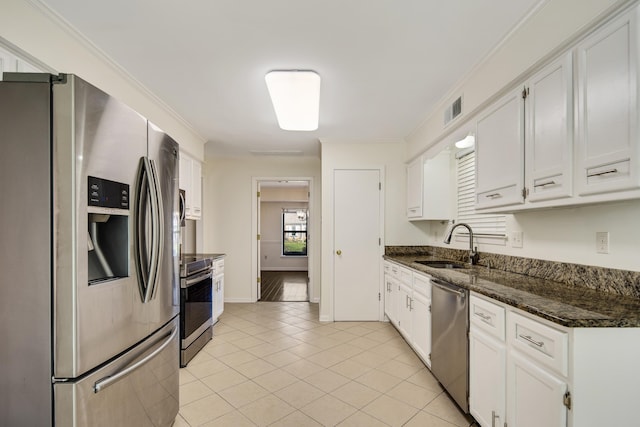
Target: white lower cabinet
{"type": "Point", "coordinates": [514, 380]}
{"type": "Point", "coordinates": [534, 395]}
{"type": "Point", "coordinates": [530, 372]}
{"type": "Point", "coordinates": [218, 289]}
{"type": "Point", "coordinates": [421, 327]}
{"type": "Point", "coordinates": [420, 307]}
{"type": "Point", "coordinates": [404, 310]}
{"type": "Point", "coordinates": [487, 378]}
{"type": "Point", "coordinates": [391, 299]}
{"type": "Point", "coordinates": [393, 276]}
{"type": "Point", "coordinates": [408, 306]}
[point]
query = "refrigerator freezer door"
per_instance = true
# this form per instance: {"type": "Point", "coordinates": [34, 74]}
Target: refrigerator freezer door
{"type": "Point", "coordinates": [93, 135]}
{"type": "Point", "coordinates": [147, 396]}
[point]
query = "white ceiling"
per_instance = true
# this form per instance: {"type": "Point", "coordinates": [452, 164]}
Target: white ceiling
{"type": "Point", "coordinates": [384, 63]}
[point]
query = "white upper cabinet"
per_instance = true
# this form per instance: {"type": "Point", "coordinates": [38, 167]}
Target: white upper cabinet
{"type": "Point", "coordinates": [580, 140]}
{"type": "Point", "coordinates": [196, 189]}
{"type": "Point", "coordinates": [438, 189]}
{"type": "Point", "coordinates": [430, 188]}
{"type": "Point", "coordinates": [191, 183]}
{"type": "Point", "coordinates": [500, 153]}
{"type": "Point", "coordinates": [414, 189]}
{"type": "Point", "coordinates": [11, 63]}
{"type": "Point", "coordinates": [549, 132]}
{"type": "Point", "coordinates": [607, 154]}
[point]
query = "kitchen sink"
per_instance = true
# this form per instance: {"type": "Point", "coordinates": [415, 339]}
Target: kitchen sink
{"type": "Point", "coordinates": [443, 264]}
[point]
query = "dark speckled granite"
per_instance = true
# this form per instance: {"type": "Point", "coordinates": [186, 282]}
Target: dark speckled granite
{"type": "Point", "coordinates": [573, 297]}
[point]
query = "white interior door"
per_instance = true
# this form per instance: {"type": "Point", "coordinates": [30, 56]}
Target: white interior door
{"type": "Point", "coordinates": [357, 250]}
{"type": "Point", "coordinates": [259, 264]}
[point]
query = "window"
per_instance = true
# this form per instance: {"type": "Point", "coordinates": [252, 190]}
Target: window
{"type": "Point", "coordinates": [294, 232]}
{"type": "Point", "coordinates": [488, 228]}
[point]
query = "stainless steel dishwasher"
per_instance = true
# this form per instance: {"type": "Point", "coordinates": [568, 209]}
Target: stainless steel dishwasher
{"type": "Point", "coordinates": [450, 340]}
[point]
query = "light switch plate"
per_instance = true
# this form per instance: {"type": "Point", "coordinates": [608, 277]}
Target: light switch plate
{"type": "Point", "coordinates": [516, 239]}
{"type": "Point", "coordinates": [602, 242]}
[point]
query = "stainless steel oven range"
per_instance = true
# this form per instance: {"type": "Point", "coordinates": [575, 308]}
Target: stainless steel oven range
{"type": "Point", "coordinates": [196, 304]}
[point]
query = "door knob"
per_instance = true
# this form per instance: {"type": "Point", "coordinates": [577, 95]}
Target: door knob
{"type": "Point", "coordinates": [339, 252]}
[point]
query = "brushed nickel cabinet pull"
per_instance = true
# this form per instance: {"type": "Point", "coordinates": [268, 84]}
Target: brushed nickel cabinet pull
{"type": "Point", "coordinates": [531, 340]}
{"type": "Point", "coordinates": [614, 170]}
{"type": "Point", "coordinates": [543, 184]}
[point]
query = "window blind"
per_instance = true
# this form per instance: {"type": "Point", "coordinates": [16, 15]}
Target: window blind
{"type": "Point", "coordinates": [487, 226]}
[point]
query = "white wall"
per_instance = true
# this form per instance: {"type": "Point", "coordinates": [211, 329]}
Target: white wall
{"type": "Point", "coordinates": [397, 230]}
{"type": "Point", "coordinates": [271, 257]}
{"type": "Point", "coordinates": [227, 215]}
{"type": "Point", "coordinates": [555, 23]}
{"type": "Point", "coordinates": [569, 235]}
{"type": "Point", "coordinates": [34, 31]}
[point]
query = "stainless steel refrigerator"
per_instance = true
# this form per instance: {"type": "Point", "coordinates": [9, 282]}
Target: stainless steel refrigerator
{"type": "Point", "coordinates": [89, 243]}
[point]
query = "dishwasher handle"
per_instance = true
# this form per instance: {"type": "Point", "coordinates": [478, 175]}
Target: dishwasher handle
{"type": "Point", "coordinates": [448, 287]}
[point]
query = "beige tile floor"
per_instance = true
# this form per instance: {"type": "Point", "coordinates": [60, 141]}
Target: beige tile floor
{"type": "Point", "coordinates": [275, 364]}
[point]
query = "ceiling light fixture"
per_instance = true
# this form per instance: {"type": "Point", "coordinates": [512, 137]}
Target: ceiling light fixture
{"type": "Point", "coordinates": [295, 95]}
{"type": "Point", "coordinates": [467, 142]}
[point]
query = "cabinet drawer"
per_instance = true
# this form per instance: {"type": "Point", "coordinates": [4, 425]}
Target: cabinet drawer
{"type": "Point", "coordinates": [395, 271]}
{"type": "Point", "coordinates": [487, 316]}
{"type": "Point", "coordinates": [219, 266]}
{"type": "Point", "coordinates": [400, 273]}
{"type": "Point", "coordinates": [422, 285]}
{"type": "Point", "coordinates": [405, 275]}
{"type": "Point", "coordinates": [542, 343]}
{"type": "Point", "coordinates": [387, 268]}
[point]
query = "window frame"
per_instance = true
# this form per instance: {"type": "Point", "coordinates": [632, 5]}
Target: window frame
{"type": "Point", "coordinates": [303, 232]}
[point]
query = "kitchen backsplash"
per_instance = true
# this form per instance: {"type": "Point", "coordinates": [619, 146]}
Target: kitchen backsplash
{"type": "Point", "coordinates": [621, 282]}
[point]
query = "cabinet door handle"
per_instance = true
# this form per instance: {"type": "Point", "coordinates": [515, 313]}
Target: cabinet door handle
{"type": "Point", "coordinates": [614, 170]}
{"type": "Point", "coordinates": [543, 184]}
{"type": "Point", "coordinates": [493, 195]}
{"type": "Point", "coordinates": [485, 318]}
{"type": "Point", "coordinates": [531, 340]}
{"type": "Point", "coordinates": [493, 418]}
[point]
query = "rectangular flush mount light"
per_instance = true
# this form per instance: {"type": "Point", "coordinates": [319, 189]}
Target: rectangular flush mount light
{"type": "Point", "coordinates": [295, 95]}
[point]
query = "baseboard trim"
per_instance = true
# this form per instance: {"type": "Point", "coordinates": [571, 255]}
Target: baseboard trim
{"type": "Point", "coordinates": [238, 300]}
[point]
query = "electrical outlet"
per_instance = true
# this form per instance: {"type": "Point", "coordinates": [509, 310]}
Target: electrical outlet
{"type": "Point", "coordinates": [602, 242]}
{"type": "Point", "coordinates": [516, 239]}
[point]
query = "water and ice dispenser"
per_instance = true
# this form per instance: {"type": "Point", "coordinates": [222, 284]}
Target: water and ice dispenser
{"type": "Point", "coordinates": [108, 230]}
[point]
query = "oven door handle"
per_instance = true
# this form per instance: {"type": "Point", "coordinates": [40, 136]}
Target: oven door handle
{"type": "Point", "coordinates": [200, 277]}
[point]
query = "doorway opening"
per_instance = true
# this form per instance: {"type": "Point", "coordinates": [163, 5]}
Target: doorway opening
{"type": "Point", "coordinates": [283, 244]}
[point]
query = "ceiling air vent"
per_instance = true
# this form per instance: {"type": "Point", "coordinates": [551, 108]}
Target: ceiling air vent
{"type": "Point", "coordinates": [453, 110]}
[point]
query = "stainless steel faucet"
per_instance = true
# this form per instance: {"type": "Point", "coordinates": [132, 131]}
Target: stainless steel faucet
{"type": "Point", "coordinates": [473, 252]}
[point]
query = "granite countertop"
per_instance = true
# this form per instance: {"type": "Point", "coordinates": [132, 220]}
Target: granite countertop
{"type": "Point", "coordinates": [566, 305]}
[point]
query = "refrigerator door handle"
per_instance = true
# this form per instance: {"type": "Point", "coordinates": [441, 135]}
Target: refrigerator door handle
{"type": "Point", "coordinates": [107, 381]}
{"type": "Point", "coordinates": [148, 256]}
{"type": "Point", "coordinates": [158, 231]}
